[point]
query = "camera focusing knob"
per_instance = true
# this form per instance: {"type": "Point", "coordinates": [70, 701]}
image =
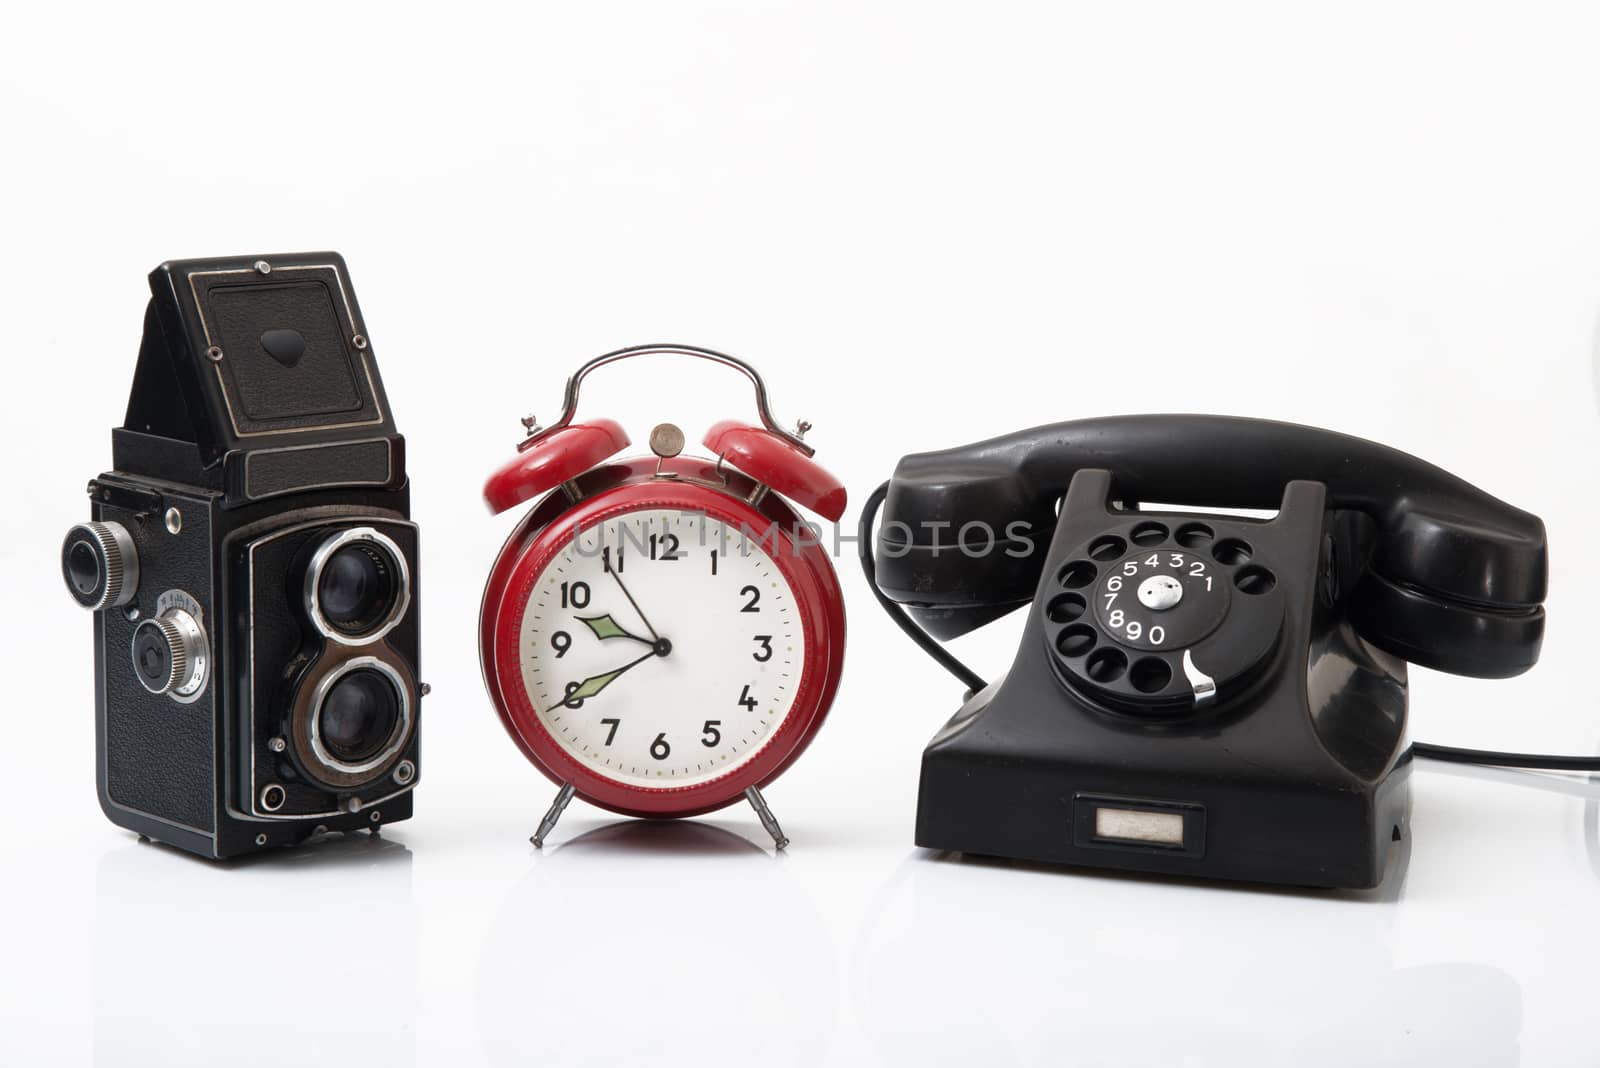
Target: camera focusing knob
{"type": "Point", "coordinates": [100, 565]}
{"type": "Point", "coordinates": [170, 654]}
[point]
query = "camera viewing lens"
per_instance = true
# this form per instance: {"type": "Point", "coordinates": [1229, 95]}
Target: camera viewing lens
{"type": "Point", "coordinates": [357, 586]}
{"type": "Point", "coordinates": [358, 716]}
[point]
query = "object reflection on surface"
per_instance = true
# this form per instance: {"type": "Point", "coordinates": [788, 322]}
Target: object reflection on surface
{"type": "Point", "coordinates": [1075, 966]}
{"type": "Point", "coordinates": [672, 837]}
{"type": "Point", "coordinates": [656, 942]}
{"type": "Point", "coordinates": [200, 962]}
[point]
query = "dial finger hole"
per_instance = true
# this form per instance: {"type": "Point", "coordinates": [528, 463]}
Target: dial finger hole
{"type": "Point", "coordinates": [1106, 665]}
{"type": "Point", "coordinates": [1078, 574]}
{"type": "Point", "coordinates": [1195, 535]}
{"type": "Point", "coordinates": [1108, 547]}
{"type": "Point", "coordinates": [1149, 534]}
{"type": "Point", "coordinates": [1232, 551]}
{"type": "Point", "coordinates": [1075, 641]}
{"type": "Point", "coordinates": [1254, 580]}
{"type": "Point", "coordinates": [1066, 608]}
{"type": "Point", "coordinates": [1150, 674]}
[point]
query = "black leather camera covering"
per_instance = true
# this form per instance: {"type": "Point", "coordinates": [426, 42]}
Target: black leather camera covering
{"type": "Point", "coordinates": [156, 755]}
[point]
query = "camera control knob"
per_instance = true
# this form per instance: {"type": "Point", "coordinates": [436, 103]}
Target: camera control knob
{"type": "Point", "coordinates": [170, 654]}
{"type": "Point", "coordinates": [100, 565]}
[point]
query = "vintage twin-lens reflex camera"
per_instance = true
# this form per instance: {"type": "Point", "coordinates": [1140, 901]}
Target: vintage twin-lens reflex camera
{"type": "Point", "coordinates": [252, 568]}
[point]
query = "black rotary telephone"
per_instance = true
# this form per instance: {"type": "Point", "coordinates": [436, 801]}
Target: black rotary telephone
{"type": "Point", "coordinates": [1198, 693]}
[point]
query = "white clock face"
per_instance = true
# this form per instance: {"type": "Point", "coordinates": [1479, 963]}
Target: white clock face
{"type": "Point", "coordinates": [662, 648]}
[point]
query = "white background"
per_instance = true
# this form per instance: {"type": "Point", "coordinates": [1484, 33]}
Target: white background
{"type": "Point", "coordinates": [927, 223]}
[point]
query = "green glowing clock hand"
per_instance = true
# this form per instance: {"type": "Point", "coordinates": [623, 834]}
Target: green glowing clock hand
{"type": "Point", "coordinates": [592, 685]}
{"type": "Point", "coordinates": [605, 627]}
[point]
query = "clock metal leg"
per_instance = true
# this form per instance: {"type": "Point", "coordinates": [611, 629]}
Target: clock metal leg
{"type": "Point", "coordinates": [768, 820]}
{"type": "Point", "coordinates": [557, 807]}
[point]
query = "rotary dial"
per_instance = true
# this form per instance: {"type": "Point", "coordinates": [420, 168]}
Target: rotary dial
{"type": "Point", "coordinates": [1161, 597]}
{"type": "Point", "coordinates": [1153, 617]}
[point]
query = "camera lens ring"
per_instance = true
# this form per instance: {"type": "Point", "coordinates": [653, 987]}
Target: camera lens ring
{"type": "Point", "coordinates": [100, 565]}
{"type": "Point", "coordinates": [372, 541]}
{"type": "Point", "coordinates": [317, 749]}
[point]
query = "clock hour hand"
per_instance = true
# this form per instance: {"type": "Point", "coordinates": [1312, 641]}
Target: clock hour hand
{"type": "Point", "coordinates": [592, 685]}
{"type": "Point", "coordinates": [605, 627]}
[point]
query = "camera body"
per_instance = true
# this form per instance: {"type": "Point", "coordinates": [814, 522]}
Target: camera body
{"type": "Point", "coordinates": [252, 568]}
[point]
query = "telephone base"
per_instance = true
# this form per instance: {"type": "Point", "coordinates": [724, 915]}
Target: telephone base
{"type": "Point", "coordinates": [1106, 799]}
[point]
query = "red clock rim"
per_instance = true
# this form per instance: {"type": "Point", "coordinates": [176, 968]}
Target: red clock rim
{"type": "Point", "coordinates": [812, 693]}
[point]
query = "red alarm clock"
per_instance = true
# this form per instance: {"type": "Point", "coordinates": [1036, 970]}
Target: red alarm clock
{"type": "Point", "coordinates": [662, 635]}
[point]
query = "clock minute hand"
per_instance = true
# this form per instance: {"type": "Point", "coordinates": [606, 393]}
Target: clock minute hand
{"type": "Point", "coordinates": [642, 618]}
{"type": "Point", "coordinates": [592, 685]}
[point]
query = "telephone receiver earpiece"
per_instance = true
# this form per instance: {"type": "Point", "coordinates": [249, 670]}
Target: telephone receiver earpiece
{"type": "Point", "coordinates": [1455, 580]}
{"type": "Point", "coordinates": [774, 457]}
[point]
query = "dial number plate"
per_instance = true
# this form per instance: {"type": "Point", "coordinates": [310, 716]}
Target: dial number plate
{"type": "Point", "coordinates": [662, 649]}
{"type": "Point", "coordinates": [1158, 599]}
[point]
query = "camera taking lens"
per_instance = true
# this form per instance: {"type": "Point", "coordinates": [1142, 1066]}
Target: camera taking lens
{"type": "Point", "coordinates": [357, 587]}
{"type": "Point", "coordinates": [354, 721]}
{"type": "Point", "coordinates": [358, 716]}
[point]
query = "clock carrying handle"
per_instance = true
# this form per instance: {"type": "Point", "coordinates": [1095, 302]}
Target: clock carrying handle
{"type": "Point", "coordinates": [1455, 579]}
{"type": "Point", "coordinates": [569, 404]}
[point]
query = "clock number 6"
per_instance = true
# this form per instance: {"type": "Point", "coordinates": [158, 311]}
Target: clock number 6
{"type": "Point", "coordinates": [659, 748]}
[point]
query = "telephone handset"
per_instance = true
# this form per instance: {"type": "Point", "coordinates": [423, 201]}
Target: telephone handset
{"type": "Point", "coordinates": [1195, 692]}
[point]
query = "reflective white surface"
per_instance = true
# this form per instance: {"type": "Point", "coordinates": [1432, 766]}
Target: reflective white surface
{"type": "Point", "coordinates": [926, 225]}
{"type": "Point", "coordinates": [450, 940]}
